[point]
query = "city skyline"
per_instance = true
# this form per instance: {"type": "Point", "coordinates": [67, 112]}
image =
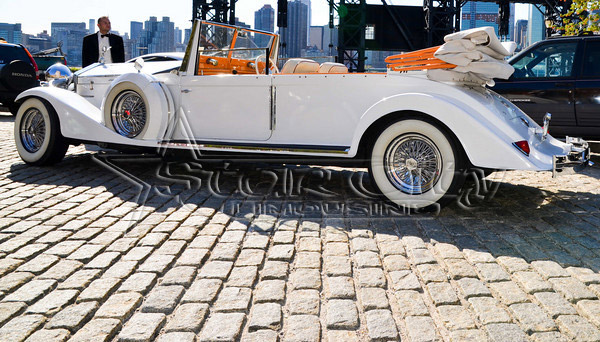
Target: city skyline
{"type": "Point", "coordinates": [120, 13]}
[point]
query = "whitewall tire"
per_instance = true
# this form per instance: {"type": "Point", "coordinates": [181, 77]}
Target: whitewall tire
{"type": "Point", "coordinates": [415, 164]}
{"type": "Point", "coordinates": [37, 134]}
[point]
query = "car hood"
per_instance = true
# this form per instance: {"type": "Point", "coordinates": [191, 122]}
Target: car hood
{"type": "Point", "coordinates": [114, 69]}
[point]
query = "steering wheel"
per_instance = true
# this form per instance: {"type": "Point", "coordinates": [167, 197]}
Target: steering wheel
{"type": "Point", "coordinates": [272, 67]}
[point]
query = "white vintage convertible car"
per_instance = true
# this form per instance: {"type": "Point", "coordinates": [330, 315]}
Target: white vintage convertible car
{"type": "Point", "coordinates": [417, 135]}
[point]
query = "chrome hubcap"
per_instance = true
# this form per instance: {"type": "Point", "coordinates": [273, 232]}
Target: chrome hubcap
{"type": "Point", "coordinates": [33, 130]}
{"type": "Point", "coordinates": [129, 114]}
{"type": "Point", "coordinates": [413, 164]}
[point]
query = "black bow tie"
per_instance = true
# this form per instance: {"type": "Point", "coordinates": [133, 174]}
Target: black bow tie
{"type": "Point", "coordinates": [104, 35]}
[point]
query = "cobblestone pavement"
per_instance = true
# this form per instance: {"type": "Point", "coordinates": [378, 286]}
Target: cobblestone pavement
{"type": "Point", "coordinates": [109, 249]}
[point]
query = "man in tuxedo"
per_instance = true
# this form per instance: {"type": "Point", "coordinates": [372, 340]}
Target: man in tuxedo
{"type": "Point", "coordinates": [94, 44]}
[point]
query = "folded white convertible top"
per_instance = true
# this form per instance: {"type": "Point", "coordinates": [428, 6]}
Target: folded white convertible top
{"type": "Point", "coordinates": [478, 55]}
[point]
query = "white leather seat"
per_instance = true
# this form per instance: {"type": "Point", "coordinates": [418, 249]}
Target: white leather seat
{"type": "Point", "coordinates": [299, 66]}
{"type": "Point", "coordinates": [333, 68]}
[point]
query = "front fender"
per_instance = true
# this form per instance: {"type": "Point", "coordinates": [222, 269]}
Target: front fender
{"type": "Point", "coordinates": [79, 119]}
{"type": "Point", "coordinates": [485, 139]}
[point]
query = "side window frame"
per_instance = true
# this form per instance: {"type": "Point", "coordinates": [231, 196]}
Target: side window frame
{"type": "Point", "coordinates": [584, 52]}
{"type": "Point", "coordinates": [574, 70]}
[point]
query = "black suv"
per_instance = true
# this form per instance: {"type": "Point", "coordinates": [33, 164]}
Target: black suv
{"type": "Point", "coordinates": [560, 76]}
{"type": "Point", "coordinates": [17, 73]}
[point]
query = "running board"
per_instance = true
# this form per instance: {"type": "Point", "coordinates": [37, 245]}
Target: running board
{"type": "Point", "coordinates": [258, 147]}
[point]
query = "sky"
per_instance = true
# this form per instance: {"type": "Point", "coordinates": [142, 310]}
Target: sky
{"type": "Point", "coordinates": [121, 12]}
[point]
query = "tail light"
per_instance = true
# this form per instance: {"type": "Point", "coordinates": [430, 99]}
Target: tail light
{"type": "Point", "coordinates": [522, 146]}
{"type": "Point", "coordinates": [33, 63]}
{"type": "Point", "coordinates": [65, 61]}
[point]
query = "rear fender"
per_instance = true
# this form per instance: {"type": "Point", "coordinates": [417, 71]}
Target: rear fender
{"type": "Point", "coordinates": [485, 144]}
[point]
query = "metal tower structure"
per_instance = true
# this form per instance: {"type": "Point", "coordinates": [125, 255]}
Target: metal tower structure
{"type": "Point", "coordinates": [351, 33]}
{"type": "Point", "coordinates": [220, 11]}
{"type": "Point", "coordinates": [441, 18]}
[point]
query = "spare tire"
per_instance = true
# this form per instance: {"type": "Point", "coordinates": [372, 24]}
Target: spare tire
{"type": "Point", "coordinates": [18, 76]}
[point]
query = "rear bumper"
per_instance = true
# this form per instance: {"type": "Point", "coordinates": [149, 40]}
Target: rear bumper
{"type": "Point", "coordinates": [575, 161]}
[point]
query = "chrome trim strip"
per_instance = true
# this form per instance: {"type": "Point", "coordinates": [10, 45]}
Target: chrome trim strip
{"type": "Point", "coordinates": [259, 148]}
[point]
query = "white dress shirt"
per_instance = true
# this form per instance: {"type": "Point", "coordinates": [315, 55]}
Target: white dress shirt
{"type": "Point", "coordinates": [104, 42]}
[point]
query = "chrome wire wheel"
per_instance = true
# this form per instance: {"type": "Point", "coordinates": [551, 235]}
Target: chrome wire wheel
{"type": "Point", "coordinates": [128, 114]}
{"type": "Point", "coordinates": [33, 130]}
{"type": "Point", "coordinates": [413, 164]}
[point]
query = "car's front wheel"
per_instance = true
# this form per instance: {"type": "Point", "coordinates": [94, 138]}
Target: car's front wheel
{"type": "Point", "coordinates": [37, 134]}
{"type": "Point", "coordinates": [416, 165]}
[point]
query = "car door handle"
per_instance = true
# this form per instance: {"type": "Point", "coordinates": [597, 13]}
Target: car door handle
{"type": "Point", "coordinates": [185, 91]}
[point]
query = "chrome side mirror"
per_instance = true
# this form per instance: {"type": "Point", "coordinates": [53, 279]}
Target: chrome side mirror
{"type": "Point", "coordinates": [138, 64]}
{"type": "Point", "coordinates": [547, 119]}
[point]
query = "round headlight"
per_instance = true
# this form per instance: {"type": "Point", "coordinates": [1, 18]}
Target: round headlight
{"type": "Point", "coordinates": [58, 71]}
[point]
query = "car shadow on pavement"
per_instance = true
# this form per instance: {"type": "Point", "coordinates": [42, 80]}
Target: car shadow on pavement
{"type": "Point", "coordinates": [504, 218]}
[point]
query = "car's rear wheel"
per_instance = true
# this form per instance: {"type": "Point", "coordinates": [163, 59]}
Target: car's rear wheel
{"type": "Point", "coordinates": [416, 165]}
{"type": "Point", "coordinates": [126, 110]}
{"type": "Point", "coordinates": [37, 134]}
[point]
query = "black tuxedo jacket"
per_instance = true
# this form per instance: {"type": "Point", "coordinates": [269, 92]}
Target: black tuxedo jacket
{"type": "Point", "coordinates": [90, 51]}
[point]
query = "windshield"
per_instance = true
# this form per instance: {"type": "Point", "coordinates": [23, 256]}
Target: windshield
{"type": "Point", "coordinates": [215, 39]}
{"type": "Point", "coordinates": [250, 45]}
{"type": "Point", "coordinates": [219, 40]}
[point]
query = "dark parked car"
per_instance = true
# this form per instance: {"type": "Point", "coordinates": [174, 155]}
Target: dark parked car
{"type": "Point", "coordinates": [560, 76]}
{"type": "Point", "coordinates": [17, 73]}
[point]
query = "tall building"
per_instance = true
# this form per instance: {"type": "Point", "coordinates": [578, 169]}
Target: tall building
{"type": "Point", "coordinates": [71, 34]}
{"type": "Point", "coordinates": [164, 40]}
{"type": "Point", "coordinates": [316, 37]}
{"type": "Point", "coordinates": [11, 32]}
{"type": "Point", "coordinates": [521, 34]}
{"type": "Point", "coordinates": [264, 20]}
{"type": "Point", "coordinates": [92, 26]}
{"type": "Point", "coordinates": [478, 14]}
{"type": "Point", "coordinates": [309, 22]}
{"type": "Point", "coordinates": [296, 34]}
{"type": "Point", "coordinates": [186, 36]}
{"type": "Point", "coordinates": [177, 36]}
{"type": "Point", "coordinates": [536, 29]}
{"type": "Point", "coordinates": [135, 29]}
{"type": "Point", "coordinates": [157, 36]}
